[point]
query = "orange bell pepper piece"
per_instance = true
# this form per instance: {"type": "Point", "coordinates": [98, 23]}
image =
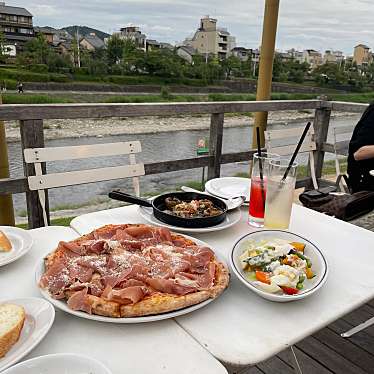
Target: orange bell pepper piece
{"type": "Point", "coordinates": [263, 276]}
{"type": "Point", "coordinates": [298, 246]}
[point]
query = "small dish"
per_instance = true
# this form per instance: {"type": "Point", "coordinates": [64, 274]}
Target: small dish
{"type": "Point", "coordinates": [21, 243]}
{"type": "Point", "coordinates": [62, 363]}
{"type": "Point", "coordinates": [229, 187]}
{"type": "Point", "coordinates": [40, 315]}
{"type": "Point", "coordinates": [311, 251]}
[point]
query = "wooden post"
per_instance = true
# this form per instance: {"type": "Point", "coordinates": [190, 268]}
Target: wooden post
{"type": "Point", "coordinates": [321, 129]}
{"type": "Point", "coordinates": [32, 136]}
{"type": "Point", "coordinates": [6, 202]}
{"type": "Point", "coordinates": [215, 145]}
{"type": "Point", "coordinates": [265, 74]}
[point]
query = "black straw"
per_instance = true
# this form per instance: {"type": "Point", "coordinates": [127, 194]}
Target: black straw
{"type": "Point", "coordinates": [260, 164]}
{"type": "Point", "coordinates": [259, 153]}
{"type": "Point", "coordinates": [296, 151]}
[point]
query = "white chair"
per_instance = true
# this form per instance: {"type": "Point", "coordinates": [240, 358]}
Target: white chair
{"type": "Point", "coordinates": [341, 148]}
{"type": "Point", "coordinates": [40, 182]}
{"type": "Point", "coordinates": [273, 137]}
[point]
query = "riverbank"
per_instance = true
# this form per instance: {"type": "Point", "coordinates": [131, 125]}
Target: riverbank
{"type": "Point", "coordinates": [64, 129]}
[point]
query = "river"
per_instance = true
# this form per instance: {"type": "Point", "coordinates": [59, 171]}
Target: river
{"type": "Point", "coordinates": [155, 147]}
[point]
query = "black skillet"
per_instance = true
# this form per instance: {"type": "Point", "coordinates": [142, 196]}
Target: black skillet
{"type": "Point", "coordinates": [159, 208]}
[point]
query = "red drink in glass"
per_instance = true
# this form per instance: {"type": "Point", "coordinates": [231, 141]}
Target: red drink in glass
{"type": "Point", "coordinates": [257, 197]}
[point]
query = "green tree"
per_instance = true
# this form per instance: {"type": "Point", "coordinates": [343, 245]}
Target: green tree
{"type": "Point", "coordinates": [37, 50]}
{"type": "Point", "coordinates": [231, 66]}
{"type": "Point", "coordinates": [330, 74]}
{"type": "Point", "coordinates": [115, 49]}
{"type": "Point", "coordinates": [3, 48]}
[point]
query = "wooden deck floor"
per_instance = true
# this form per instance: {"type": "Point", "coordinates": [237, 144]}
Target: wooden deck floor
{"type": "Point", "coordinates": [326, 351]}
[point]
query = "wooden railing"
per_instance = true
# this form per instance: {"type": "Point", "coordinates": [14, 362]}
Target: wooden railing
{"type": "Point", "coordinates": [32, 136]}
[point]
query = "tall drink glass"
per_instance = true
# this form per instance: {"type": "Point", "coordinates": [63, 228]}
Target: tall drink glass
{"type": "Point", "coordinates": [258, 188]}
{"type": "Point", "coordinates": [279, 194]}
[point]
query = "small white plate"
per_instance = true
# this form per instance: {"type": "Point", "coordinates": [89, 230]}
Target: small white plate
{"type": "Point", "coordinates": [229, 187]}
{"type": "Point", "coordinates": [232, 217]}
{"type": "Point", "coordinates": [61, 304]}
{"type": "Point", "coordinates": [40, 315]}
{"type": "Point", "coordinates": [311, 251]}
{"type": "Point", "coordinates": [21, 243]}
{"type": "Point", "coordinates": [61, 363]}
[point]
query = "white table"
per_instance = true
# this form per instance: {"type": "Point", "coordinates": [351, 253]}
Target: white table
{"type": "Point", "coordinates": [150, 348]}
{"type": "Point", "coordinates": [240, 328]}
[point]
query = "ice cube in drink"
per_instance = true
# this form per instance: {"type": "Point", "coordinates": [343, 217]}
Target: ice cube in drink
{"type": "Point", "coordinates": [279, 203]}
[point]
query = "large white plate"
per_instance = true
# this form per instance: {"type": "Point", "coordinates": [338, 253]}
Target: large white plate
{"type": "Point", "coordinates": [60, 363]}
{"type": "Point", "coordinates": [229, 187]}
{"type": "Point", "coordinates": [60, 304]}
{"type": "Point", "coordinates": [311, 251]}
{"type": "Point", "coordinates": [232, 217]}
{"type": "Point", "coordinates": [21, 243]}
{"type": "Point", "coordinates": [40, 315]}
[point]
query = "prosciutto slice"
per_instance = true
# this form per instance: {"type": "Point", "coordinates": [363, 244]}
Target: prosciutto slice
{"type": "Point", "coordinates": [80, 301]}
{"type": "Point", "coordinates": [170, 286]}
{"type": "Point", "coordinates": [129, 295]}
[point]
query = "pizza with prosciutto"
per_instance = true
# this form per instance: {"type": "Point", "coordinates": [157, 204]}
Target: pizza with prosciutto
{"type": "Point", "coordinates": [132, 270]}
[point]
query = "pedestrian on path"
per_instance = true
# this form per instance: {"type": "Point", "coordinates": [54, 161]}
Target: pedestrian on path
{"type": "Point", "coordinates": [20, 87]}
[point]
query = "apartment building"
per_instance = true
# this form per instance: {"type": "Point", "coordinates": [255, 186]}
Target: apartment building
{"type": "Point", "coordinates": [16, 24]}
{"type": "Point", "coordinates": [134, 34]}
{"type": "Point", "coordinates": [312, 57]}
{"type": "Point", "coordinates": [243, 54]}
{"type": "Point", "coordinates": [362, 55]}
{"type": "Point", "coordinates": [211, 40]}
{"type": "Point", "coordinates": [331, 56]}
{"type": "Point", "coordinates": [296, 55]}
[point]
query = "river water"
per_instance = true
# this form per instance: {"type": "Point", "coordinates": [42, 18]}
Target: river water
{"type": "Point", "coordinates": [155, 147]}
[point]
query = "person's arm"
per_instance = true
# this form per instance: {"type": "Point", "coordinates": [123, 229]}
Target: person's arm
{"type": "Point", "coordinates": [364, 153]}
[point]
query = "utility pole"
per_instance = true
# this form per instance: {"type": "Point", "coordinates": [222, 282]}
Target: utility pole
{"type": "Point", "coordinates": [265, 74]}
{"type": "Point", "coordinates": [78, 49]}
{"type": "Point", "coordinates": [6, 202]}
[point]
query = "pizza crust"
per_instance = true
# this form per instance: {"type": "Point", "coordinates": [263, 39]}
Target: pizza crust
{"type": "Point", "coordinates": [157, 303]}
{"type": "Point", "coordinates": [162, 303]}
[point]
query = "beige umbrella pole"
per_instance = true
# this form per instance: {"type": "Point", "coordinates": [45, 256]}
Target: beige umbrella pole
{"type": "Point", "coordinates": [269, 33]}
{"type": "Point", "coordinates": [6, 203]}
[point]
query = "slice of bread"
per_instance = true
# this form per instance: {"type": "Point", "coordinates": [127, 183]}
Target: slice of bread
{"type": "Point", "coordinates": [12, 318]}
{"type": "Point", "coordinates": [5, 244]}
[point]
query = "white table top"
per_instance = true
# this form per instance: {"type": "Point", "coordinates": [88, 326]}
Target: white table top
{"type": "Point", "coordinates": [240, 328]}
{"type": "Point", "coordinates": [150, 348]}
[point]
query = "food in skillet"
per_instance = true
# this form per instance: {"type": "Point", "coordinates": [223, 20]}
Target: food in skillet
{"type": "Point", "coordinates": [132, 270]}
{"type": "Point", "coordinates": [191, 209]}
{"type": "Point", "coordinates": [277, 265]}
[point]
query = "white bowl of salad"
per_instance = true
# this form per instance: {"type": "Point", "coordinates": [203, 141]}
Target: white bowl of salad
{"type": "Point", "coordinates": [279, 265]}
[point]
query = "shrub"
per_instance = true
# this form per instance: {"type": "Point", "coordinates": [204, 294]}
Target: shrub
{"type": "Point", "coordinates": [38, 68]}
{"type": "Point", "coordinates": [60, 78]}
{"type": "Point", "coordinates": [165, 93]}
{"type": "Point", "coordinates": [80, 71]}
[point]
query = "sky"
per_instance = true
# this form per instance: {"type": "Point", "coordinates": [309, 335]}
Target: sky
{"type": "Point", "coordinates": [303, 24]}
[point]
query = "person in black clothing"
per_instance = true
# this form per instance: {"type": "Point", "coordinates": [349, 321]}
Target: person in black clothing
{"type": "Point", "coordinates": [361, 153]}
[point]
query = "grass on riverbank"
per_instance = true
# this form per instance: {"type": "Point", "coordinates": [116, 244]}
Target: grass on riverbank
{"type": "Point", "coordinates": [34, 99]}
{"type": "Point", "coordinates": [31, 98]}
{"type": "Point", "coordinates": [64, 221]}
